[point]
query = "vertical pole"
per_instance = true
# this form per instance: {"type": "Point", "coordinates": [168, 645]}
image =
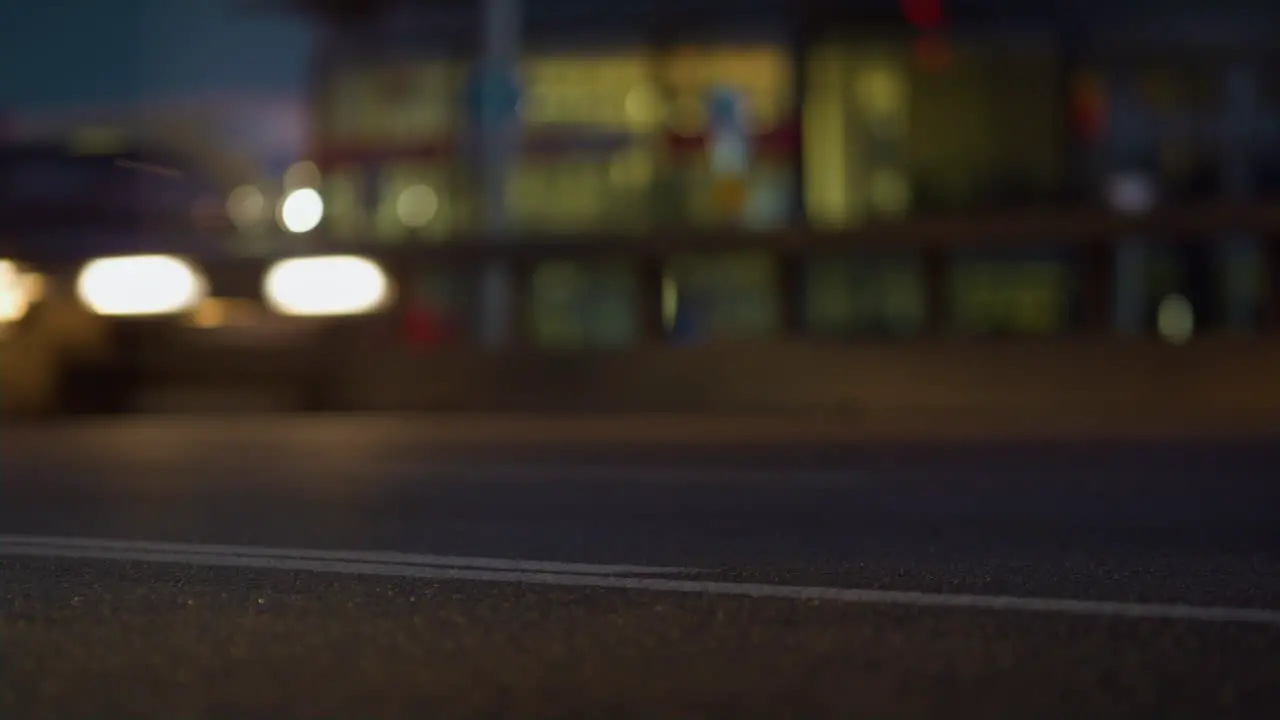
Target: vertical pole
{"type": "Point", "coordinates": [651, 311]}
{"type": "Point", "coordinates": [1129, 135]}
{"type": "Point", "coordinates": [793, 270]}
{"type": "Point", "coordinates": [1096, 286]}
{"type": "Point", "coordinates": [802, 41]}
{"type": "Point", "coordinates": [791, 294]}
{"type": "Point", "coordinates": [1242, 254]}
{"type": "Point", "coordinates": [1070, 64]}
{"type": "Point", "coordinates": [937, 291]}
{"type": "Point", "coordinates": [1130, 277]}
{"type": "Point", "coordinates": [498, 129]}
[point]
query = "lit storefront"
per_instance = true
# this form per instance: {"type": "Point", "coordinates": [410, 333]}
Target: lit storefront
{"type": "Point", "coordinates": [612, 142]}
{"type": "Point", "coordinates": [833, 133]}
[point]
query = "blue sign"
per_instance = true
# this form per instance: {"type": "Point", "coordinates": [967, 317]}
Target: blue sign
{"type": "Point", "coordinates": [730, 145]}
{"type": "Point", "coordinates": [493, 96]}
{"type": "Point", "coordinates": [726, 111]}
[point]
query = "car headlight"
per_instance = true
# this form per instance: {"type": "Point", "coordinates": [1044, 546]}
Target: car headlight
{"type": "Point", "coordinates": [326, 286]}
{"type": "Point", "coordinates": [15, 292]}
{"type": "Point", "coordinates": [301, 210]}
{"type": "Point", "coordinates": [136, 285]}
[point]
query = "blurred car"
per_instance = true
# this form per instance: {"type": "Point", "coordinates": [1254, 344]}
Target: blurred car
{"type": "Point", "coordinates": [115, 272]}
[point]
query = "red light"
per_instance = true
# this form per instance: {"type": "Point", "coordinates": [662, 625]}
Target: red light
{"type": "Point", "coordinates": [923, 14]}
{"type": "Point", "coordinates": [426, 326]}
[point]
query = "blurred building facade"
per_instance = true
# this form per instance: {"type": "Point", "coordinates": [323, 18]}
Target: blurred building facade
{"type": "Point", "coordinates": [659, 116]}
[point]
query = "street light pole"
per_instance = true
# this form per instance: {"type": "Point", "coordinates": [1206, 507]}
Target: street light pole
{"type": "Point", "coordinates": [498, 129]}
{"type": "Point", "coordinates": [1129, 178]}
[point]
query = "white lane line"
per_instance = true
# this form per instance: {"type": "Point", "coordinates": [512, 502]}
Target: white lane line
{"type": "Point", "coordinates": [16, 542]}
{"type": "Point", "coordinates": [1133, 611]}
{"type": "Point", "coordinates": [620, 471]}
{"type": "Point", "coordinates": [377, 475]}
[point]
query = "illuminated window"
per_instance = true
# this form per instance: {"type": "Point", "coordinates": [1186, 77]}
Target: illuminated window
{"type": "Point", "coordinates": [632, 169]}
{"type": "Point", "coordinates": [761, 75]}
{"type": "Point", "coordinates": [560, 195]}
{"type": "Point", "coordinates": [643, 107]}
{"type": "Point", "coordinates": [826, 162]}
{"type": "Point", "coordinates": [575, 306]}
{"type": "Point", "coordinates": [688, 113]}
{"type": "Point", "coordinates": [857, 120]}
{"type": "Point", "coordinates": [865, 297]}
{"type": "Point", "coordinates": [593, 103]}
{"type": "Point", "coordinates": [1010, 297]}
{"type": "Point", "coordinates": [606, 92]}
{"type": "Point", "coordinates": [557, 307]}
{"type": "Point", "coordinates": [882, 99]}
{"type": "Point", "coordinates": [987, 132]}
{"type": "Point", "coordinates": [726, 298]}
{"type": "Point", "coordinates": [888, 193]}
{"type": "Point", "coordinates": [830, 297]}
{"type": "Point", "coordinates": [392, 105]}
{"type": "Point", "coordinates": [885, 141]}
{"type": "Point", "coordinates": [881, 103]}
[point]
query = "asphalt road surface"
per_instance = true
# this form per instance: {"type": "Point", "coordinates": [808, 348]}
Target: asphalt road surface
{"type": "Point", "coordinates": [370, 568]}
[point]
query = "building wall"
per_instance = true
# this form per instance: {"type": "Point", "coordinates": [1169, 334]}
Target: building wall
{"type": "Point", "coordinates": [888, 133]}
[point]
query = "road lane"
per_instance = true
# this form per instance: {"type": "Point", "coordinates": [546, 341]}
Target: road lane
{"type": "Point", "coordinates": [67, 546]}
{"type": "Point", "coordinates": [1114, 525]}
{"type": "Point", "coordinates": [1122, 521]}
{"type": "Point", "coordinates": [496, 570]}
{"type": "Point", "coordinates": [135, 640]}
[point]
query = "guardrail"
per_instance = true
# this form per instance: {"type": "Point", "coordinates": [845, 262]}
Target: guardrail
{"type": "Point", "coordinates": [1084, 242]}
{"type": "Point", "coordinates": [364, 363]}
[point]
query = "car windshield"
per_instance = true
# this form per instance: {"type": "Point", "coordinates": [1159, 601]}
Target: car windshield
{"type": "Point", "coordinates": [46, 178]}
{"type": "Point", "coordinates": [132, 185]}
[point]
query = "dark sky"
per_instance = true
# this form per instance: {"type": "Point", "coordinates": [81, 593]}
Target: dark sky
{"type": "Point", "coordinates": [68, 53]}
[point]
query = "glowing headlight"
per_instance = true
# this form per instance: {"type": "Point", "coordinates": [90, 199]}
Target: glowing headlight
{"type": "Point", "coordinates": [301, 210]}
{"type": "Point", "coordinates": [140, 285]}
{"type": "Point", "coordinates": [15, 295]}
{"type": "Point", "coordinates": [326, 286]}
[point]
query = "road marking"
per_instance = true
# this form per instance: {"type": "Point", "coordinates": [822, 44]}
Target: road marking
{"type": "Point", "coordinates": [623, 470]}
{"type": "Point", "coordinates": [379, 474]}
{"type": "Point", "coordinates": [332, 562]}
{"type": "Point", "coordinates": [14, 544]}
